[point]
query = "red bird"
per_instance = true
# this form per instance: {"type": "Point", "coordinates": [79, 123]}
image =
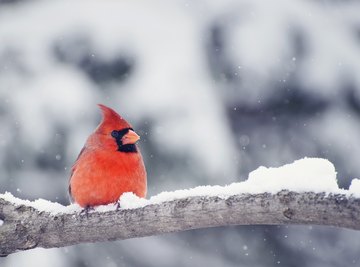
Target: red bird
{"type": "Point", "coordinates": [109, 164]}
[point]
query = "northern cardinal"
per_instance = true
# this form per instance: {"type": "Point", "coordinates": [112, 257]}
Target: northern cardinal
{"type": "Point", "coordinates": [109, 164]}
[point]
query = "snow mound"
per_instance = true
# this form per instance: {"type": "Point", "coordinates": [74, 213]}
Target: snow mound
{"type": "Point", "coordinates": [304, 175]}
{"type": "Point", "coordinates": [308, 174]}
{"type": "Point", "coordinates": [354, 188]}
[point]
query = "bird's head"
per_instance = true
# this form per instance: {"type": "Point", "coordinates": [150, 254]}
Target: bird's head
{"type": "Point", "coordinates": [116, 131]}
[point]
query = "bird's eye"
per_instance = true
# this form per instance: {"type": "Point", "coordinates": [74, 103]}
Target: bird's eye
{"type": "Point", "coordinates": [115, 134]}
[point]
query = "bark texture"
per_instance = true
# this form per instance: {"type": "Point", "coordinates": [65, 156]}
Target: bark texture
{"type": "Point", "coordinates": [25, 227]}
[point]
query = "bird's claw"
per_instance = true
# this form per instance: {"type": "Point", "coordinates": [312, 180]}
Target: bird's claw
{"type": "Point", "coordinates": [118, 206]}
{"type": "Point", "coordinates": [86, 211]}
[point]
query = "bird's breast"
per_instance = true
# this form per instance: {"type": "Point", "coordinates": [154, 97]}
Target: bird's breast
{"type": "Point", "coordinates": [101, 177]}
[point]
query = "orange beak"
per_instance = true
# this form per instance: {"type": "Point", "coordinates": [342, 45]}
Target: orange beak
{"type": "Point", "coordinates": [130, 138]}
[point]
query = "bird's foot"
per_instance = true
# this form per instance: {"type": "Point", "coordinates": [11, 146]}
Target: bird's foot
{"type": "Point", "coordinates": [86, 211]}
{"type": "Point", "coordinates": [117, 204]}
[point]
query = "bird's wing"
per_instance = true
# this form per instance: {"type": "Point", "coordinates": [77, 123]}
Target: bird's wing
{"type": "Point", "coordinates": [72, 172]}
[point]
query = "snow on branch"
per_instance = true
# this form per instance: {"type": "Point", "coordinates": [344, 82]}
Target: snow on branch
{"type": "Point", "coordinates": [262, 199]}
{"type": "Point", "coordinates": [25, 227]}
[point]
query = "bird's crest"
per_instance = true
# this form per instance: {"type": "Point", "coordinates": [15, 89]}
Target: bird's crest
{"type": "Point", "coordinates": [111, 121]}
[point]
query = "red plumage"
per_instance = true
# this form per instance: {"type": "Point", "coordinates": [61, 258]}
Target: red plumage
{"type": "Point", "coordinates": [109, 164]}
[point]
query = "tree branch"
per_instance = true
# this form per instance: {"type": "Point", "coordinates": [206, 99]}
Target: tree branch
{"type": "Point", "coordinates": [24, 227]}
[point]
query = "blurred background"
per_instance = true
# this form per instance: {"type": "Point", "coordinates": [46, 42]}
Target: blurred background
{"type": "Point", "coordinates": [214, 88]}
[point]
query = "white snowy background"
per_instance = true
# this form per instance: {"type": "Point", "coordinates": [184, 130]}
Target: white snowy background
{"type": "Point", "coordinates": [214, 88]}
